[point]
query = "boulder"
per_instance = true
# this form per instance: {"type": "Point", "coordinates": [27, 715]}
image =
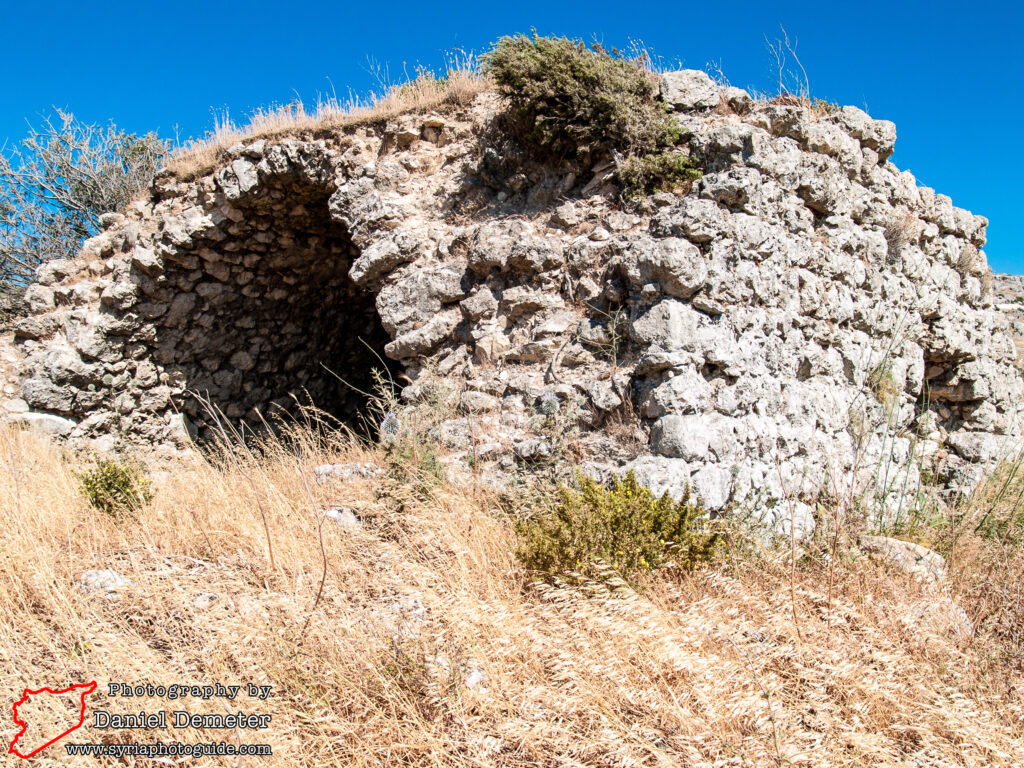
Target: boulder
{"type": "Point", "coordinates": [682, 437]}
{"type": "Point", "coordinates": [674, 264]}
{"type": "Point", "coordinates": [106, 583]}
{"type": "Point", "coordinates": [689, 89]}
{"type": "Point", "coordinates": [331, 473]}
{"type": "Point", "coordinates": [918, 561]}
{"type": "Point", "coordinates": [46, 423]}
{"type": "Point", "coordinates": [343, 517]}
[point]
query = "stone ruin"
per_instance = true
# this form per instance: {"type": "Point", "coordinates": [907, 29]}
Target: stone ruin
{"type": "Point", "coordinates": [803, 315]}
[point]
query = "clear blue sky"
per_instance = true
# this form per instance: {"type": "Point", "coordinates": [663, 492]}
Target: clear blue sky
{"type": "Point", "coordinates": [950, 75]}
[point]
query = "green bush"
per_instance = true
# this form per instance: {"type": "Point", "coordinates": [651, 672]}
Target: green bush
{"type": "Point", "coordinates": [115, 487]}
{"type": "Point", "coordinates": [417, 465]}
{"type": "Point", "coordinates": [570, 100]}
{"type": "Point", "coordinates": [660, 172]}
{"type": "Point", "coordinates": [624, 526]}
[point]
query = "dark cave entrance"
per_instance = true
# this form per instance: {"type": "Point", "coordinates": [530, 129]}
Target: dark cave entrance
{"type": "Point", "coordinates": [278, 325]}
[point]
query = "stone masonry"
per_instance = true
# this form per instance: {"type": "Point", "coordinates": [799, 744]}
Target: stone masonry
{"type": "Point", "coordinates": [804, 315]}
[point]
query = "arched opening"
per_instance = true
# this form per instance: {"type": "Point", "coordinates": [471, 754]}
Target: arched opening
{"type": "Point", "coordinates": [267, 318]}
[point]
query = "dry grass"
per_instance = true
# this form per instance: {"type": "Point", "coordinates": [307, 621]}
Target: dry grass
{"type": "Point", "coordinates": [902, 230]}
{"type": "Point", "coordinates": [457, 87]}
{"type": "Point", "coordinates": [460, 83]}
{"type": "Point", "coordinates": [968, 259]}
{"type": "Point", "coordinates": [429, 646]}
{"type": "Point", "coordinates": [984, 543]}
{"type": "Point", "coordinates": [988, 574]}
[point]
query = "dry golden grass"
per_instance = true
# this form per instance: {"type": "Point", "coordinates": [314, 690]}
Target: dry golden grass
{"type": "Point", "coordinates": [429, 646]}
{"type": "Point", "coordinates": [983, 541]}
{"type": "Point", "coordinates": [461, 83]}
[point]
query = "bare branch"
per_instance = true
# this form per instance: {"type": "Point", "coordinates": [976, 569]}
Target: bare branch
{"type": "Point", "coordinates": [779, 52]}
{"type": "Point", "coordinates": [792, 51]}
{"type": "Point", "coordinates": [56, 184]}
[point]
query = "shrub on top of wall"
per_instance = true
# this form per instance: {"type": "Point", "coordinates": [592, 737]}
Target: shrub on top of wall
{"type": "Point", "coordinates": [571, 101]}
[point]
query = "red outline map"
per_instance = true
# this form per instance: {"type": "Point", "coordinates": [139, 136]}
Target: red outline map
{"type": "Point", "coordinates": [87, 688]}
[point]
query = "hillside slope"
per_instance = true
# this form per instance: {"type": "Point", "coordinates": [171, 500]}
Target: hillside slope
{"type": "Point", "coordinates": [415, 638]}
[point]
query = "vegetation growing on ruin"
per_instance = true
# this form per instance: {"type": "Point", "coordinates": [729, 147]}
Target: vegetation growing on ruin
{"type": "Point", "coordinates": [659, 172]}
{"type": "Point", "coordinates": [573, 100]}
{"type": "Point", "coordinates": [454, 85]}
{"type": "Point", "coordinates": [568, 100]}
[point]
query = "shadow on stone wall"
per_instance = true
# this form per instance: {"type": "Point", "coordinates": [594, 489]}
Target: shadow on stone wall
{"type": "Point", "coordinates": [265, 316]}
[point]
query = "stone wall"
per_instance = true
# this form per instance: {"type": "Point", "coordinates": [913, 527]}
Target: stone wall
{"type": "Point", "coordinates": [803, 315]}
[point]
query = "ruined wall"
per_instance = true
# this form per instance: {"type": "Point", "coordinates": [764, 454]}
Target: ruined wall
{"type": "Point", "coordinates": [803, 311]}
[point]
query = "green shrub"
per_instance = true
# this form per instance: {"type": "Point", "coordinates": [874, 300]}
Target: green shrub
{"type": "Point", "coordinates": [624, 526]}
{"type": "Point", "coordinates": [570, 100]}
{"type": "Point", "coordinates": [115, 487]}
{"type": "Point", "coordinates": [416, 465]}
{"type": "Point", "coordinates": [657, 172]}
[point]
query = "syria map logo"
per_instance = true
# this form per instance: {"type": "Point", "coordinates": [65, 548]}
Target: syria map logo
{"type": "Point", "coordinates": [83, 690]}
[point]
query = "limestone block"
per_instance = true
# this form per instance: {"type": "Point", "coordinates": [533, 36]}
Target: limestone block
{"type": "Point", "coordinates": [689, 89]}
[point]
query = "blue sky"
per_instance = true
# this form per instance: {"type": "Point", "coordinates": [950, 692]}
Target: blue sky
{"type": "Point", "coordinates": [950, 75]}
